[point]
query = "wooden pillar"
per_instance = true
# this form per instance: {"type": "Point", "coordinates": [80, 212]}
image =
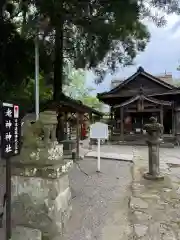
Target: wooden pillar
{"type": "Point", "coordinates": [122, 123]}
{"type": "Point", "coordinates": [77, 135]}
{"type": "Point", "coordinates": [66, 125]}
{"type": "Point", "coordinates": [80, 124]}
{"type": "Point", "coordinates": [161, 115]}
{"type": "Point", "coordinates": [90, 118]}
{"type": "Point", "coordinates": [60, 128]}
{"type": "Point", "coordinates": [90, 122]}
{"type": "Point", "coordinates": [70, 126]}
{"type": "Point", "coordinates": [111, 122]}
{"type": "Point", "coordinates": [173, 122]}
{"type": "Point", "coordinates": [177, 124]}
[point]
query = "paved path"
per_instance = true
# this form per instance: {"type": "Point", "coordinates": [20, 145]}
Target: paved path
{"type": "Point", "coordinates": [155, 205]}
{"type": "Point", "coordinates": [100, 203]}
{"type": "Point", "coordinates": [111, 156]}
{"type": "Point", "coordinates": [169, 156]}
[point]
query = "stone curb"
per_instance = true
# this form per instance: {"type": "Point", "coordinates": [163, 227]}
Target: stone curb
{"type": "Point", "coordinates": [108, 158]}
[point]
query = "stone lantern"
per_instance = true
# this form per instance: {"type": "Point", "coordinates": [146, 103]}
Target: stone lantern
{"type": "Point", "coordinates": [41, 195]}
{"type": "Point", "coordinates": [154, 131]}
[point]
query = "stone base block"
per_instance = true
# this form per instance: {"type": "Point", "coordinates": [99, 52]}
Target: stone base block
{"type": "Point", "coordinates": [149, 176]}
{"type": "Point", "coordinates": [24, 233]}
{"type": "Point", "coordinates": [44, 204]}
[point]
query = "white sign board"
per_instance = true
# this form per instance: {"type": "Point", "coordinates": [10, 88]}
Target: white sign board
{"type": "Point", "coordinates": [99, 130]}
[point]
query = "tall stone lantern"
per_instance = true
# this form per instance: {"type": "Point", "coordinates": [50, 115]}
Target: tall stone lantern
{"type": "Point", "coordinates": [154, 131]}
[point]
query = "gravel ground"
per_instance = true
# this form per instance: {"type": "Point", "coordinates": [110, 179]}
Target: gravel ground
{"type": "Point", "coordinates": [100, 201]}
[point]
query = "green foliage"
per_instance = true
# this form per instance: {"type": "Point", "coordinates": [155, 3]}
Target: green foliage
{"type": "Point", "coordinates": [93, 102]}
{"type": "Point", "coordinates": [78, 89]}
{"type": "Point", "coordinates": [24, 95]}
{"type": "Point", "coordinates": [94, 34]}
{"type": "Point", "coordinates": [102, 34]}
{"type": "Point", "coordinates": [16, 60]}
{"type": "Point", "coordinates": [177, 84]}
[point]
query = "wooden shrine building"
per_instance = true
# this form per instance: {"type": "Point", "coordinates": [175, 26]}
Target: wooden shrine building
{"type": "Point", "coordinates": [71, 114]}
{"type": "Point", "coordinates": [138, 98]}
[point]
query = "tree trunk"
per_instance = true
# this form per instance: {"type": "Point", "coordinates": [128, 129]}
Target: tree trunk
{"type": "Point", "coordinates": [2, 5]}
{"type": "Point", "coordinates": [58, 62]}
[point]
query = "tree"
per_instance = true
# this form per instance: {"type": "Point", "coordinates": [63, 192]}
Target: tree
{"type": "Point", "coordinates": [96, 35]}
{"type": "Point", "coordinates": [93, 102]}
{"type": "Point", "coordinates": [88, 33]}
{"type": "Point", "coordinates": [78, 89]}
{"type": "Point", "coordinates": [16, 59]}
{"type": "Point", "coordinates": [24, 95]}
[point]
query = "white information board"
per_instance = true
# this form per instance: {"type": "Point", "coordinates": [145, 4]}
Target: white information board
{"type": "Point", "coordinates": [99, 130]}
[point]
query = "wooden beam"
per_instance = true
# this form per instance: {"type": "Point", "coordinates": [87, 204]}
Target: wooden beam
{"type": "Point", "coordinates": [145, 110]}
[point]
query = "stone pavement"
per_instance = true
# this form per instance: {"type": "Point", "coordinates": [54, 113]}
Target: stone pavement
{"type": "Point", "coordinates": [112, 156]}
{"type": "Point", "coordinates": [155, 205]}
{"type": "Point", "coordinates": [146, 210]}
{"type": "Point", "coordinates": [118, 204]}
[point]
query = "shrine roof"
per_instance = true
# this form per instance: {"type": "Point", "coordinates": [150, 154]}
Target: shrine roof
{"type": "Point", "coordinates": [171, 92]}
{"type": "Point", "coordinates": [141, 96]}
{"type": "Point", "coordinates": [67, 104]}
{"type": "Point", "coordinates": [139, 72]}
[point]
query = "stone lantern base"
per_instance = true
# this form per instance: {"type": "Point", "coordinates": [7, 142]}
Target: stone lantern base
{"type": "Point", "coordinates": [41, 195]}
{"type": "Point", "coordinates": [41, 199]}
{"type": "Point", "coordinates": [149, 176]}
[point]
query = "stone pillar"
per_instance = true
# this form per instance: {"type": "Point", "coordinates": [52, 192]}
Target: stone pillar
{"type": "Point", "coordinates": [177, 124]}
{"type": "Point", "coordinates": [41, 196]}
{"type": "Point", "coordinates": [154, 131]}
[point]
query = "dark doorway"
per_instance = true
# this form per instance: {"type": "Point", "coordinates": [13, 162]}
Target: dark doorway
{"type": "Point", "coordinates": [167, 122]}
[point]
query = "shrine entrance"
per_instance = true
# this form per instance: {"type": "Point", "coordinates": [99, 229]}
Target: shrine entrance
{"type": "Point", "coordinates": [135, 113]}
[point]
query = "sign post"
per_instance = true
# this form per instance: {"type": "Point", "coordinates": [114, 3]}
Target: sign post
{"type": "Point", "coordinates": [10, 146]}
{"type": "Point", "coordinates": [99, 155]}
{"type": "Point", "coordinates": [99, 131]}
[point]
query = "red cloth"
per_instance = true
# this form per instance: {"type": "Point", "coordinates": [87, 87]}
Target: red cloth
{"type": "Point", "coordinates": [83, 130]}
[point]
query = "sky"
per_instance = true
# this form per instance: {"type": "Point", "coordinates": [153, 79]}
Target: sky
{"type": "Point", "coordinates": [161, 54]}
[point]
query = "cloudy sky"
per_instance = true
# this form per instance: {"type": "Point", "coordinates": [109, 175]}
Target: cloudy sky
{"type": "Point", "coordinates": [162, 54]}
